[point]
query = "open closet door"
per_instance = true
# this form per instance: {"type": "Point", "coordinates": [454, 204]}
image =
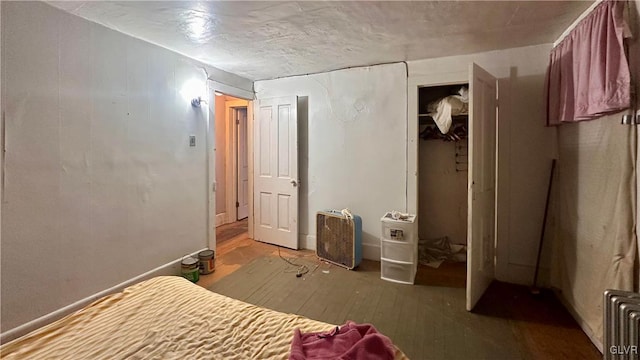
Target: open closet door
{"type": "Point", "coordinates": [482, 183]}
{"type": "Point", "coordinates": [276, 171]}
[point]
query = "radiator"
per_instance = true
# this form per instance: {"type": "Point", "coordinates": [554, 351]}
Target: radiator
{"type": "Point", "coordinates": [338, 239]}
{"type": "Point", "coordinates": [621, 325]}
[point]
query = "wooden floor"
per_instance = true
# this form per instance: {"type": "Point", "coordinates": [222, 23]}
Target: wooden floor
{"type": "Point", "coordinates": [227, 232]}
{"type": "Point", "coordinates": [427, 320]}
{"type": "Point", "coordinates": [237, 251]}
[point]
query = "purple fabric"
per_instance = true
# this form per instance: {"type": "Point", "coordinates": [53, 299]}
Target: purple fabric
{"type": "Point", "coordinates": [348, 342]}
{"type": "Point", "coordinates": [588, 74]}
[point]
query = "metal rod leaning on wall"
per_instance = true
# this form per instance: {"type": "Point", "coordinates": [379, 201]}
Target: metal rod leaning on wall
{"type": "Point", "coordinates": [534, 288]}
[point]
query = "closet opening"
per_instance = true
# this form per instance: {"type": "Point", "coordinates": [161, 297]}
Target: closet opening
{"type": "Point", "coordinates": [443, 160]}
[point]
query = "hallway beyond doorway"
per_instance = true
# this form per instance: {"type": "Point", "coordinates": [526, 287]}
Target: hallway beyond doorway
{"type": "Point", "coordinates": [229, 231]}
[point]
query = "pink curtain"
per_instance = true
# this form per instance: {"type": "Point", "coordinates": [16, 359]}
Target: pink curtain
{"type": "Point", "coordinates": [588, 74]}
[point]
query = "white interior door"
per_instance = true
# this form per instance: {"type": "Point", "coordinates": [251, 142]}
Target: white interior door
{"type": "Point", "coordinates": [482, 183]}
{"type": "Point", "coordinates": [243, 165]}
{"type": "Point", "coordinates": [276, 171]}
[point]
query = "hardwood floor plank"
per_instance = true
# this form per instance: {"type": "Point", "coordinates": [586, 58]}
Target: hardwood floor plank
{"type": "Point", "coordinates": [405, 336]}
{"type": "Point", "coordinates": [425, 321]}
{"type": "Point", "coordinates": [385, 314]}
{"type": "Point", "coordinates": [362, 304]}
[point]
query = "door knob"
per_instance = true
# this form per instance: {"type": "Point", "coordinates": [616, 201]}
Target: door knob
{"type": "Point", "coordinates": [294, 183]}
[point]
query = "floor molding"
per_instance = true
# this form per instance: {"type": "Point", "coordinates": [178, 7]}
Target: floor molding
{"type": "Point", "coordinates": [221, 219]}
{"type": "Point", "coordinates": [307, 242]}
{"type": "Point", "coordinates": [371, 251]}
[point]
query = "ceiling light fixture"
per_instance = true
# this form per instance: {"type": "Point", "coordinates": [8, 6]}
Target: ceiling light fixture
{"type": "Point", "coordinates": [194, 91]}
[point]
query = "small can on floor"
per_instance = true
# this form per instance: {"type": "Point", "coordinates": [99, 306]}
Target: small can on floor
{"type": "Point", "coordinates": [189, 267]}
{"type": "Point", "coordinates": [207, 261]}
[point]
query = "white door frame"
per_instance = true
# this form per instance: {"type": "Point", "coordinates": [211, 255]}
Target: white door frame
{"type": "Point", "coordinates": [250, 123]}
{"type": "Point", "coordinates": [212, 87]}
{"type": "Point", "coordinates": [231, 157]}
{"type": "Point", "coordinates": [211, 166]}
{"type": "Point", "coordinates": [505, 270]}
{"type": "Point", "coordinates": [414, 84]}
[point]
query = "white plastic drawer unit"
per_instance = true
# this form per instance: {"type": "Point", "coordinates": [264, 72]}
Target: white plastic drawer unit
{"type": "Point", "coordinates": [403, 273]}
{"type": "Point", "coordinates": [399, 251]}
{"type": "Point", "coordinates": [399, 230]}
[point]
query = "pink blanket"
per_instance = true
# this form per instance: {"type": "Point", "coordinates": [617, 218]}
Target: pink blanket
{"type": "Point", "coordinates": [348, 342]}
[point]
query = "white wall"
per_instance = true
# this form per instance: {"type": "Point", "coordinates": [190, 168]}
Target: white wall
{"type": "Point", "coordinates": [367, 152]}
{"type": "Point", "coordinates": [101, 184]}
{"type": "Point", "coordinates": [595, 238]}
{"type": "Point", "coordinates": [592, 227]}
{"type": "Point", "coordinates": [525, 151]}
{"type": "Point", "coordinates": [353, 148]}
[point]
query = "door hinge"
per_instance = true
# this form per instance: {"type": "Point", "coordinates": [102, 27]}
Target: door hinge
{"type": "Point", "coordinates": [237, 121]}
{"type": "Point", "coordinates": [237, 204]}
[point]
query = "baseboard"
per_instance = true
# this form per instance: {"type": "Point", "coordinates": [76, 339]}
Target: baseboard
{"type": "Point", "coordinates": [583, 325]}
{"type": "Point", "coordinates": [371, 251]}
{"type": "Point", "coordinates": [221, 219]}
{"type": "Point", "coordinates": [171, 268]}
{"type": "Point", "coordinates": [307, 242]}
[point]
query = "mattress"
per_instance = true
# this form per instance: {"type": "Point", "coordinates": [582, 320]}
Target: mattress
{"type": "Point", "coordinates": [165, 318]}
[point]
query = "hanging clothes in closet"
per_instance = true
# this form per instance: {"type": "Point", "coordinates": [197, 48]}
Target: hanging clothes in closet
{"type": "Point", "coordinates": [443, 111]}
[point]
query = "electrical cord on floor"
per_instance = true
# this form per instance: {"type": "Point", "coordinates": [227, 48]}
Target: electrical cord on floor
{"type": "Point", "coordinates": [302, 269]}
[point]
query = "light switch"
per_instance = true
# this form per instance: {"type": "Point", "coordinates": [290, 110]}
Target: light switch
{"type": "Point", "coordinates": [192, 140]}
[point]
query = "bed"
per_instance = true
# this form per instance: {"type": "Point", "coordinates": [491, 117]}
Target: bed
{"type": "Point", "coordinates": [165, 317]}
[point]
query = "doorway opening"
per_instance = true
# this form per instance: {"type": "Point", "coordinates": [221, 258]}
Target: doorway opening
{"type": "Point", "coordinates": [481, 168]}
{"type": "Point", "coordinates": [443, 159]}
{"type": "Point", "coordinates": [232, 168]}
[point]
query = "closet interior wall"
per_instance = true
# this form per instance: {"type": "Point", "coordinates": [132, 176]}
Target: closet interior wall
{"type": "Point", "coordinates": [442, 177]}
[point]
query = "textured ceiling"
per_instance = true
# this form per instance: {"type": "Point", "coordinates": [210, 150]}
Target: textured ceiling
{"type": "Point", "coordinates": [264, 40]}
